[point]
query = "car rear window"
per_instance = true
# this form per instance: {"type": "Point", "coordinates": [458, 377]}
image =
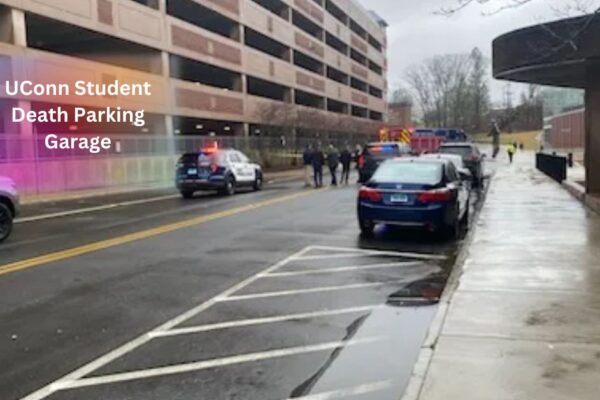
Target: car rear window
{"type": "Point", "coordinates": [458, 150]}
{"type": "Point", "coordinates": [409, 172]}
{"type": "Point", "coordinates": [202, 158]}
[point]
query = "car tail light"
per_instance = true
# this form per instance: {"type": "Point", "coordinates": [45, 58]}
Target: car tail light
{"type": "Point", "coordinates": [367, 193]}
{"type": "Point", "coordinates": [436, 196]}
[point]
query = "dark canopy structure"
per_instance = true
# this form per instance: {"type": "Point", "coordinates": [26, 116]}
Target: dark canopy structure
{"type": "Point", "coordinates": [562, 53]}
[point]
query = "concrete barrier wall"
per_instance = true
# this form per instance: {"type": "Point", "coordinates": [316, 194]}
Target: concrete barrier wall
{"type": "Point", "coordinates": [55, 176]}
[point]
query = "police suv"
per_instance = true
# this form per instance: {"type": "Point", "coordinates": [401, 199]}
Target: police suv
{"type": "Point", "coordinates": [212, 168]}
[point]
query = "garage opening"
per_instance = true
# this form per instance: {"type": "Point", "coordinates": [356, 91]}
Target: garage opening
{"type": "Point", "coordinates": [270, 90]}
{"type": "Point", "coordinates": [195, 71]}
{"type": "Point", "coordinates": [277, 7]}
{"type": "Point", "coordinates": [62, 38]}
{"type": "Point", "coordinates": [309, 99]}
{"type": "Point", "coordinates": [360, 112]}
{"type": "Point", "coordinates": [337, 75]}
{"type": "Point", "coordinates": [267, 45]}
{"type": "Point", "coordinates": [196, 14]}
{"type": "Point", "coordinates": [336, 43]}
{"type": "Point", "coordinates": [308, 63]}
{"type": "Point", "coordinates": [337, 106]}
{"type": "Point", "coordinates": [307, 25]}
{"type": "Point", "coordinates": [206, 127]}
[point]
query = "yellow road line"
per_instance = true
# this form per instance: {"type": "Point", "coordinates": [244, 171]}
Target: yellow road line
{"type": "Point", "coordinates": [145, 234]}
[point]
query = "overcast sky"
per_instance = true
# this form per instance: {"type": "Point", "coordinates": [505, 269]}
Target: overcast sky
{"type": "Point", "coordinates": [415, 33]}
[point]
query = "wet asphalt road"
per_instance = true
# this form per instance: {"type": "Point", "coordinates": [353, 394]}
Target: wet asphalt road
{"type": "Point", "coordinates": [279, 300]}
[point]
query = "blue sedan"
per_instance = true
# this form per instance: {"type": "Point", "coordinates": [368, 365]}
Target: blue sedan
{"type": "Point", "coordinates": [415, 192]}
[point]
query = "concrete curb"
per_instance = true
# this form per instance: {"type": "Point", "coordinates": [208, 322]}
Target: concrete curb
{"type": "Point", "coordinates": [419, 373]}
{"type": "Point", "coordinates": [578, 191]}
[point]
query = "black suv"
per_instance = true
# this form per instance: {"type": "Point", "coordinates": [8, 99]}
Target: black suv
{"type": "Point", "coordinates": [376, 153]}
{"type": "Point", "coordinates": [472, 158]}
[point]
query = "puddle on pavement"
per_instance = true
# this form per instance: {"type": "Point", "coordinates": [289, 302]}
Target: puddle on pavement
{"type": "Point", "coordinates": [402, 330]}
{"type": "Point", "coordinates": [423, 292]}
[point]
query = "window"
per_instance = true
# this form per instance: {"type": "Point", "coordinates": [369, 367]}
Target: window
{"type": "Point", "coordinates": [234, 157]}
{"type": "Point", "coordinates": [409, 172]}
{"type": "Point", "coordinates": [451, 173]}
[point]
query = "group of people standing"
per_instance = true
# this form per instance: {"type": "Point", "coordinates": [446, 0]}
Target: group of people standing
{"type": "Point", "coordinates": [315, 159]}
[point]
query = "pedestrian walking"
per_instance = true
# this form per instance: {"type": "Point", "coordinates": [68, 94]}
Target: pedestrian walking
{"type": "Point", "coordinates": [495, 134]}
{"type": "Point", "coordinates": [511, 149]}
{"type": "Point", "coordinates": [307, 161]}
{"type": "Point", "coordinates": [318, 159]}
{"type": "Point", "coordinates": [333, 160]}
{"type": "Point", "coordinates": [346, 160]}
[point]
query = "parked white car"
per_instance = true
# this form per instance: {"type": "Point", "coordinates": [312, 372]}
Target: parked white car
{"type": "Point", "coordinates": [9, 206]}
{"type": "Point", "coordinates": [457, 160]}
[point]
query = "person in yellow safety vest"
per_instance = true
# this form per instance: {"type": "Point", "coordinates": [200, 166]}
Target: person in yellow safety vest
{"type": "Point", "coordinates": [511, 150]}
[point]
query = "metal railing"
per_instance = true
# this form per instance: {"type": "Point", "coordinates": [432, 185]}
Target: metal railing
{"type": "Point", "coordinates": [136, 160]}
{"type": "Point", "coordinates": [552, 165]}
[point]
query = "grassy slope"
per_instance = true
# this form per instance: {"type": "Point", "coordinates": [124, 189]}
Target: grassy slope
{"type": "Point", "coordinates": [529, 139]}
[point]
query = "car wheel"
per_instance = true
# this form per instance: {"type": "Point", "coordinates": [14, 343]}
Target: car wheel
{"type": "Point", "coordinates": [229, 189]}
{"type": "Point", "coordinates": [366, 227]}
{"type": "Point", "coordinates": [187, 194]}
{"type": "Point", "coordinates": [453, 230]}
{"type": "Point", "coordinates": [6, 222]}
{"type": "Point", "coordinates": [258, 182]}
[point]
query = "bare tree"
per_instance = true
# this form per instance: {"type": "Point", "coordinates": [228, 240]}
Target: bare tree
{"type": "Point", "coordinates": [441, 88]}
{"type": "Point", "coordinates": [401, 96]}
{"type": "Point", "coordinates": [277, 119]}
{"type": "Point", "coordinates": [479, 90]}
{"type": "Point", "coordinates": [571, 7]}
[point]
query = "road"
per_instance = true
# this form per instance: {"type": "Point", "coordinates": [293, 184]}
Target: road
{"type": "Point", "coordinates": [266, 295]}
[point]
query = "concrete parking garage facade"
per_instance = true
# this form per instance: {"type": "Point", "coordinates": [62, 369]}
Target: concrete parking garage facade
{"type": "Point", "coordinates": [221, 67]}
{"type": "Point", "coordinates": [257, 74]}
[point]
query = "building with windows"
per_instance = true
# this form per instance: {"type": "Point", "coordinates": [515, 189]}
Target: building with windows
{"type": "Point", "coordinates": [221, 67]}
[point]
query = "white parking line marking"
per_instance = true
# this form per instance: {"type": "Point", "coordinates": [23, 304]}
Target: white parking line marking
{"type": "Point", "coordinates": [342, 269]}
{"type": "Point", "coordinates": [334, 256]}
{"type": "Point", "coordinates": [376, 253]}
{"type": "Point", "coordinates": [50, 388]}
{"type": "Point", "coordinates": [217, 362]}
{"type": "Point", "coordinates": [350, 391]}
{"type": "Point", "coordinates": [309, 290]}
{"type": "Point", "coordinates": [93, 209]}
{"type": "Point", "coordinates": [264, 320]}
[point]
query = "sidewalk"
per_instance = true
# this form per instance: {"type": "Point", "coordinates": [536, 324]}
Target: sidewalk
{"type": "Point", "coordinates": [524, 321]}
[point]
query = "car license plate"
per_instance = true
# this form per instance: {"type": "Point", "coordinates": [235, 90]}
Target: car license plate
{"type": "Point", "coordinates": [203, 174]}
{"type": "Point", "coordinates": [192, 171]}
{"type": "Point", "coordinates": [399, 198]}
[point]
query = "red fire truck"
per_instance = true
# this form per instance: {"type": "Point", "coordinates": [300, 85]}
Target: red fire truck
{"type": "Point", "coordinates": [421, 140]}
